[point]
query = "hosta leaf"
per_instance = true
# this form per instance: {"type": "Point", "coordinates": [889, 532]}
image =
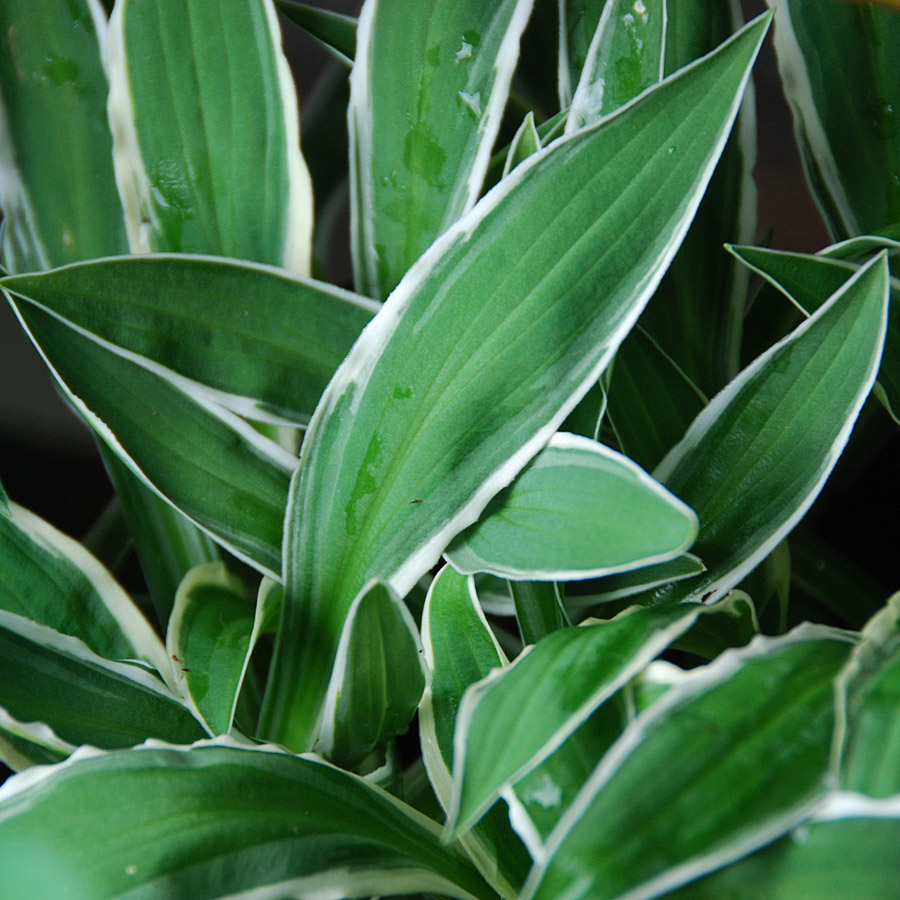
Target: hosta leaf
{"type": "Point", "coordinates": [525, 142]}
{"type": "Point", "coordinates": [25, 744]}
{"type": "Point", "coordinates": [57, 188]}
{"type": "Point", "coordinates": [869, 691]}
{"type": "Point", "coordinates": [809, 281]}
{"type": "Point", "coordinates": [168, 545]}
{"type": "Point", "coordinates": [651, 401]}
{"type": "Point", "coordinates": [55, 679]}
{"type": "Point", "coordinates": [207, 155]}
{"type": "Point", "coordinates": [697, 313]}
{"type": "Point", "coordinates": [420, 146]}
{"type": "Point", "coordinates": [539, 609]}
{"type": "Point", "coordinates": [460, 649]}
{"type": "Point", "coordinates": [378, 678]}
{"type": "Point", "coordinates": [579, 510]}
{"type": "Point", "coordinates": [64, 206]}
{"type": "Point", "coordinates": [837, 64]}
{"type": "Point", "coordinates": [539, 800]}
{"type": "Point", "coordinates": [213, 467]}
{"type": "Point", "coordinates": [710, 772]}
{"type": "Point", "coordinates": [472, 365]}
{"type": "Point", "coordinates": [625, 56]}
{"type": "Point", "coordinates": [583, 595]}
{"type": "Point", "coordinates": [755, 459]}
{"type": "Point", "coordinates": [52, 580]}
{"type": "Point", "coordinates": [512, 720]}
{"type": "Point", "coordinates": [578, 25]}
{"type": "Point", "coordinates": [849, 849]}
{"type": "Point", "coordinates": [335, 31]}
{"type": "Point", "coordinates": [259, 823]}
{"type": "Point", "coordinates": [735, 625]}
{"type": "Point", "coordinates": [266, 343]}
{"type": "Point", "coordinates": [211, 634]}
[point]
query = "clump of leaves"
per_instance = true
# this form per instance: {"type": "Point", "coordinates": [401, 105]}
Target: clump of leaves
{"type": "Point", "coordinates": [428, 499]}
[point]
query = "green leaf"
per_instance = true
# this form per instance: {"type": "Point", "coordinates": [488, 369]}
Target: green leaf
{"type": "Point", "coordinates": [168, 545]}
{"type": "Point", "coordinates": [57, 187]}
{"type": "Point", "coordinates": [756, 458]}
{"type": "Point", "coordinates": [460, 649]}
{"type": "Point", "coordinates": [735, 626]}
{"type": "Point", "coordinates": [209, 821]}
{"type": "Point", "coordinates": [651, 401]}
{"type": "Point", "coordinates": [578, 25]}
{"type": "Point", "coordinates": [578, 510]}
{"type": "Point", "coordinates": [52, 678]}
{"type": "Point", "coordinates": [211, 633]}
{"type": "Point", "coordinates": [265, 342]}
{"type": "Point", "coordinates": [63, 206]}
{"type": "Point", "coordinates": [583, 595]}
{"type": "Point", "coordinates": [216, 469]}
{"type": "Point", "coordinates": [334, 31]}
{"type": "Point", "coordinates": [697, 313]}
{"type": "Point", "coordinates": [183, 175]}
{"type": "Point", "coordinates": [869, 690]}
{"type": "Point", "coordinates": [470, 368]}
{"type": "Point", "coordinates": [808, 281]}
{"type": "Point", "coordinates": [514, 719]}
{"type": "Point", "coordinates": [525, 142]}
{"type": "Point", "coordinates": [710, 772]}
{"type": "Point", "coordinates": [838, 68]}
{"type": "Point", "coordinates": [539, 609]}
{"type": "Point", "coordinates": [848, 850]}
{"type": "Point", "coordinates": [625, 57]}
{"type": "Point", "coordinates": [52, 580]}
{"type": "Point", "coordinates": [378, 678]}
{"type": "Point", "coordinates": [26, 744]}
{"type": "Point", "coordinates": [539, 800]}
{"type": "Point", "coordinates": [420, 147]}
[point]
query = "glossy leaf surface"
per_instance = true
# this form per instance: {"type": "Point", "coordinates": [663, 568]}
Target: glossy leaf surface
{"type": "Point", "coordinates": [739, 772]}
{"type": "Point", "coordinates": [188, 131]}
{"type": "Point", "coordinates": [837, 62]}
{"type": "Point", "coordinates": [85, 699]}
{"type": "Point", "coordinates": [57, 187]}
{"type": "Point", "coordinates": [511, 721]}
{"type": "Point", "coordinates": [378, 678]}
{"type": "Point", "coordinates": [459, 650]}
{"type": "Point", "coordinates": [52, 580]}
{"type": "Point", "coordinates": [213, 467]}
{"type": "Point", "coordinates": [754, 460]}
{"type": "Point", "coordinates": [625, 56]}
{"type": "Point", "coordinates": [265, 342]}
{"type": "Point", "coordinates": [848, 855]}
{"type": "Point", "coordinates": [265, 824]}
{"type": "Point", "coordinates": [420, 146]}
{"type": "Point", "coordinates": [578, 510]}
{"type": "Point", "coordinates": [869, 691]}
{"type": "Point", "coordinates": [209, 640]}
{"type": "Point", "coordinates": [809, 281]}
{"type": "Point", "coordinates": [463, 338]}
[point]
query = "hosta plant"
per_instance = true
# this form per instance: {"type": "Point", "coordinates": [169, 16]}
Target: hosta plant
{"type": "Point", "coordinates": [476, 579]}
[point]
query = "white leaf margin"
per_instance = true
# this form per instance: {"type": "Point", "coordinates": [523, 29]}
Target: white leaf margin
{"type": "Point", "coordinates": [713, 410]}
{"type": "Point", "coordinates": [698, 682]}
